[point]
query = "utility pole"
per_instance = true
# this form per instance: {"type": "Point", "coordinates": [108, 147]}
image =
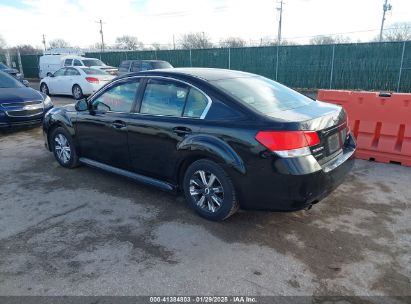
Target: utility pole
{"type": "Point", "coordinates": [44, 42]}
{"type": "Point", "coordinates": [174, 42]}
{"type": "Point", "coordinates": [280, 9]}
{"type": "Point", "coordinates": [101, 33]}
{"type": "Point", "coordinates": [386, 7]}
{"type": "Point", "coordinates": [280, 21]}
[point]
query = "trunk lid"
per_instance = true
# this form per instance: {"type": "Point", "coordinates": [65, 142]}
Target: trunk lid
{"type": "Point", "coordinates": [328, 120]}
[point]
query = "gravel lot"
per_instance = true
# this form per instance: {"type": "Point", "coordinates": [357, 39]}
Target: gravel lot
{"type": "Point", "coordinates": [87, 232]}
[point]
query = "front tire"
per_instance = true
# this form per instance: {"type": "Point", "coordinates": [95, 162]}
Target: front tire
{"type": "Point", "coordinates": [77, 92]}
{"type": "Point", "coordinates": [63, 148]}
{"type": "Point", "coordinates": [209, 190]}
{"type": "Point", "coordinates": [44, 89]}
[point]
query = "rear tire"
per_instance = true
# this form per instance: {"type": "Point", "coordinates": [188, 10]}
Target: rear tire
{"type": "Point", "coordinates": [209, 190]}
{"type": "Point", "coordinates": [63, 148]}
{"type": "Point", "coordinates": [44, 89]}
{"type": "Point", "coordinates": [77, 92]}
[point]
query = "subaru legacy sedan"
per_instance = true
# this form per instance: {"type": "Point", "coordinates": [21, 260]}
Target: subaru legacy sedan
{"type": "Point", "coordinates": [227, 139]}
{"type": "Point", "coordinates": [20, 105]}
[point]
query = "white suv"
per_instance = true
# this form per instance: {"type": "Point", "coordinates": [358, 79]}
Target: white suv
{"type": "Point", "coordinates": [91, 63]}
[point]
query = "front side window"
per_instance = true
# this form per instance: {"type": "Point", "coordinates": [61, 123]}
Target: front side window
{"type": "Point", "coordinates": [262, 94]}
{"type": "Point", "coordinates": [124, 66]}
{"type": "Point", "coordinates": [117, 99]}
{"type": "Point", "coordinates": [77, 63]}
{"type": "Point", "coordinates": [196, 104]}
{"type": "Point", "coordinates": [60, 72]}
{"type": "Point", "coordinates": [163, 97]}
{"type": "Point", "coordinates": [136, 66]}
{"type": "Point", "coordinates": [68, 62]}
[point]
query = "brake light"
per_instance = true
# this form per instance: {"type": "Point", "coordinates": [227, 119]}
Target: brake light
{"type": "Point", "coordinates": [288, 143]}
{"type": "Point", "coordinates": [92, 79]}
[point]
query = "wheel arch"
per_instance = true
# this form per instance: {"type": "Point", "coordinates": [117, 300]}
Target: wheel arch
{"type": "Point", "coordinates": [210, 147]}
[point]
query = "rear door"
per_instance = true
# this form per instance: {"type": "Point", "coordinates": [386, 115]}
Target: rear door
{"type": "Point", "coordinates": [168, 112]}
{"type": "Point", "coordinates": [102, 132]}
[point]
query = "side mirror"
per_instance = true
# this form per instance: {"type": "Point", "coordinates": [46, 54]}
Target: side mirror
{"type": "Point", "coordinates": [82, 105]}
{"type": "Point", "coordinates": [52, 75]}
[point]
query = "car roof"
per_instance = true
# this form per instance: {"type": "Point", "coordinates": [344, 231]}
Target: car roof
{"type": "Point", "coordinates": [207, 74]}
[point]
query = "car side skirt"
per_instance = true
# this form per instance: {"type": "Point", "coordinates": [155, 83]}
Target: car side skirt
{"type": "Point", "coordinates": [134, 176]}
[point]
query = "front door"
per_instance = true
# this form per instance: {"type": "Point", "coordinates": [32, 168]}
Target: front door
{"type": "Point", "coordinates": [169, 111]}
{"type": "Point", "coordinates": [102, 133]}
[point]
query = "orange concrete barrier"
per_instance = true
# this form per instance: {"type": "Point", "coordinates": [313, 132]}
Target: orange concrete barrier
{"type": "Point", "coordinates": [381, 123]}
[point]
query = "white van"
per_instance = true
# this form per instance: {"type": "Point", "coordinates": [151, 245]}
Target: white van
{"type": "Point", "coordinates": [48, 64]}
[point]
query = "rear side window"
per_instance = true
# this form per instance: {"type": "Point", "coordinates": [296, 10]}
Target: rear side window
{"type": "Point", "coordinates": [72, 72]}
{"type": "Point", "coordinates": [146, 66]}
{"type": "Point", "coordinates": [195, 104]}
{"type": "Point", "coordinates": [262, 94]}
{"type": "Point", "coordinates": [90, 71]}
{"type": "Point", "coordinates": [164, 98]}
{"type": "Point", "coordinates": [68, 62]}
{"type": "Point", "coordinates": [161, 65]}
{"type": "Point", "coordinates": [117, 99]}
{"type": "Point", "coordinates": [77, 63]}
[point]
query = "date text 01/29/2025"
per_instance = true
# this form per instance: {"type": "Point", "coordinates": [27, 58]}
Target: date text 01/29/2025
{"type": "Point", "coordinates": [203, 299]}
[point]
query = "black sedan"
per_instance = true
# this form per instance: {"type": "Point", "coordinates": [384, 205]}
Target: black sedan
{"type": "Point", "coordinates": [20, 105]}
{"type": "Point", "coordinates": [227, 139]}
{"type": "Point", "coordinates": [13, 72]}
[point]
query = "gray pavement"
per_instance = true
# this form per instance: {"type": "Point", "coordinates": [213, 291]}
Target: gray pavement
{"type": "Point", "coordinates": [87, 232]}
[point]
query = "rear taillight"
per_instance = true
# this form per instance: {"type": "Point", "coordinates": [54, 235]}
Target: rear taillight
{"type": "Point", "coordinates": [92, 79]}
{"type": "Point", "coordinates": [288, 143]}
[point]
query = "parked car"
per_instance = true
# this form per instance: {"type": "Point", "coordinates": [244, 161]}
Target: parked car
{"type": "Point", "coordinates": [15, 73]}
{"type": "Point", "coordinates": [20, 105]}
{"type": "Point", "coordinates": [48, 64]}
{"type": "Point", "coordinates": [227, 139]}
{"type": "Point", "coordinates": [75, 81]}
{"type": "Point", "coordinates": [128, 66]}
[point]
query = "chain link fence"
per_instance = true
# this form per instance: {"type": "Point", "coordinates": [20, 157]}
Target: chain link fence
{"type": "Point", "coordinates": [382, 66]}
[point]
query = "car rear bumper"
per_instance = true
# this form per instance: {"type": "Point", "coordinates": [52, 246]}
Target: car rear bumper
{"type": "Point", "coordinates": [292, 184]}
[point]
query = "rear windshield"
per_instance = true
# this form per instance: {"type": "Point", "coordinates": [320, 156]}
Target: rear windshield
{"type": "Point", "coordinates": [92, 62]}
{"type": "Point", "coordinates": [262, 94]}
{"type": "Point", "coordinates": [161, 65]}
{"type": "Point", "coordinates": [90, 71]}
{"type": "Point", "coordinates": [7, 81]}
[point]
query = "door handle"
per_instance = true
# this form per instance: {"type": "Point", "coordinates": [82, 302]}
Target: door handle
{"type": "Point", "coordinates": [118, 124]}
{"type": "Point", "coordinates": [181, 131]}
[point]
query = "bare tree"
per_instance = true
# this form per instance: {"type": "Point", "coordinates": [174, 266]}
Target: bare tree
{"type": "Point", "coordinates": [268, 42]}
{"type": "Point", "coordinates": [400, 31]}
{"type": "Point", "coordinates": [196, 41]}
{"type": "Point", "coordinates": [232, 42]}
{"type": "Point", "coordinates": [322, 39]}
{"type": "Point", "coordinates": [58, 44]}
{"type": "Point", "coordinates": [2, 42]}
{"type": "Point", "coordinates": [26, 49]}
{"type": "Point", "coordinates": [128, 43]}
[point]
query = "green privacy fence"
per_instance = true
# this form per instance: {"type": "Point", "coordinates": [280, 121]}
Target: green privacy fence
{"type": "Point", "coordinates": [367, 66]}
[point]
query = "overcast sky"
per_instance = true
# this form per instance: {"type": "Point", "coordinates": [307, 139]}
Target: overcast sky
{"type": "Point", "coordinates": [24, 21]}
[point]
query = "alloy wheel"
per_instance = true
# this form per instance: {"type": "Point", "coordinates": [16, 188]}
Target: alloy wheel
{"type": "Point", "coordinates": [206, 190]}
{"type": "Point", "coordinates": [62, 147]}
{"type": "Point", "coordinates": [77, 92]}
